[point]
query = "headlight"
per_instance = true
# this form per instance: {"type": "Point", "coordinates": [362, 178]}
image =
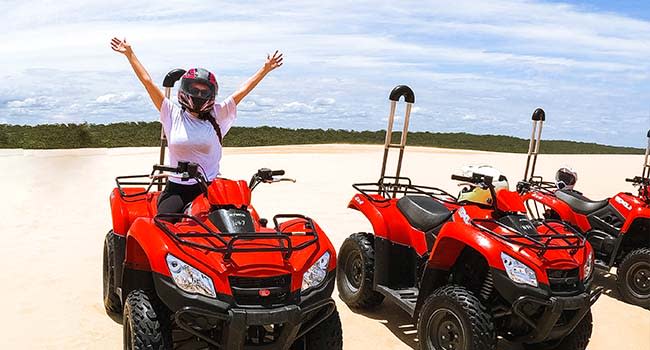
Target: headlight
{"type": "Point", "coordinates": [589, 264]}
{"type": "Point", "coordinates": [517, 271]}
{"type": "Point", "coordinates": [316, 273]}
{"type": "Point", "coordinates": [190, 279]}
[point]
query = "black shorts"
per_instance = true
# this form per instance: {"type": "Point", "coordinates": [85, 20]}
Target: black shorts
{"type": "Point", "coordinates": [176, 196]}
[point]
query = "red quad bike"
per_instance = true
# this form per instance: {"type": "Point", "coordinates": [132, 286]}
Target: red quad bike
{"type": "Point", "coordinates": [215, 276]}
{"type": "Point", "coordinates": [466, 273]}
{"type": "Point", "coordinates": [618, 228]}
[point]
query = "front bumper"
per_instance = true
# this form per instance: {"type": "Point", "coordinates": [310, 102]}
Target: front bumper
{"type": "Point", "coordinates": [548, 315]}
{"type": "Point", "coordinates": [200, 316]}
{"type": "Point", "coordinates": [546, 325]}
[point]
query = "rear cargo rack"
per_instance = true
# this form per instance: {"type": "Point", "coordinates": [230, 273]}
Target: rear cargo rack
{"type": "Point", "coordinates": [388, 187]}
{"type": "Point", "coordinates": [227, 240]}
{"type": "Point", "coordinates": [539, 242]}
{"type": "Point", "coordinates": [538, 183]}
{"type": "Point", "coordinates": [130, 180]}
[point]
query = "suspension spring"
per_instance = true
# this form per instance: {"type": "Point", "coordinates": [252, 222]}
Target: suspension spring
{"type": "Point", "coordinates": [488, 286]}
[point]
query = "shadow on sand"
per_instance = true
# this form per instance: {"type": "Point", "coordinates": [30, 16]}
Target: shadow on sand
{"type": "Point", "coordinates": [404, 328]}
{"type": "Point", "coordinates": [607, 280]}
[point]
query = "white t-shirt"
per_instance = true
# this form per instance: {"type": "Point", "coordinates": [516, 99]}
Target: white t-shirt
{"type": "Point", "coordinates": [194, 140]}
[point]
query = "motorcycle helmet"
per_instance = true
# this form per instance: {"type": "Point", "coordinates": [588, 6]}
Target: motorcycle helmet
{"type": "Point", "coordinates": [475, 194]}
{"type": "Point", "coordinates": [566, 178]}
{"type": "Point", "coordinates": [198, 90]}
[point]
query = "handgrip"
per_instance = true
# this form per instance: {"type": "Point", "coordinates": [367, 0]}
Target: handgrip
{"type": "Point", "coordinates": [462, 178]}
{"type": "Point", "coordinates": [277, 172]}
{"type": "Point", "coordinates": [478, 179]}
{"type": "Point", "coordinates": [402, 90]}
{"type": "Point", "coordinates": [172, 77]}
{"type": "Point", "coordinates": [165, 168]}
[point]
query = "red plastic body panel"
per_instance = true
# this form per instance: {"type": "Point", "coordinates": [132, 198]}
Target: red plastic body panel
{"type": "Point", "coordinates": [562, 209]}
{"type": "Point", "coordinates": [147, 245]}
{"type": "Point", "coordinates": [631, 207]}
{"type": "Point", "coordinates": [509, 201]}
{"type": "Point", "coordinates": [458, 233]}
{"type": "Point", "coordinates": [125, 210]}
{"type": "Point", "coordinates": [389, 223]}
{"type": "Point", "coordinates": [223, 191]}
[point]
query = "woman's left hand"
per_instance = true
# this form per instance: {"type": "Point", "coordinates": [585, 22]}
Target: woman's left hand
{"type": "Point", "coordinates": [273, 62]}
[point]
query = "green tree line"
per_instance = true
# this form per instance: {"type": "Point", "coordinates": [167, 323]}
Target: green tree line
{"type": "Point", "coordinates": [139, 134]}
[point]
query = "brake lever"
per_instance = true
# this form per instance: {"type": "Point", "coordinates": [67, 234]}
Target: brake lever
{"type": "Point", "coordinates": [158, 176]}
{"type": "Point", "coordinates": [284, 179]}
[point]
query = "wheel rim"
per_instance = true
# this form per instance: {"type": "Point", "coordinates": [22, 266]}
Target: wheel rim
{"type": "Point", "coordinates": [445, 331]}
{"type": "Point", "coordinates": [638, 280]}
{"type": "Point", "coordinates": [354, 271]}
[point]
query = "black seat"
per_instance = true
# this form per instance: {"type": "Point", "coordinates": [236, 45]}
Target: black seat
{"type": "Point", "coordinates": [580, 203]}
{"type": "Point", "coordinates": [423, 212]}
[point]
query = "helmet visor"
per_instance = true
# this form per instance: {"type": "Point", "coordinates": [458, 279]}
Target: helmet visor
{"type": "Point", "coordinates": [200, 90]}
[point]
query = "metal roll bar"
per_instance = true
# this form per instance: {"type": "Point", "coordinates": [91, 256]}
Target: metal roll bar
{"type": "Point", "coordinates": [395, 95]}
{"type": "Point", "coordinates": [535, 138]}
{"type": "Point", "coordinates": [168, 83]}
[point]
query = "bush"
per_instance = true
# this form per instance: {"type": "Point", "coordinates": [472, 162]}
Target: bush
{"type": "Point", "coordinates": [140, 134]}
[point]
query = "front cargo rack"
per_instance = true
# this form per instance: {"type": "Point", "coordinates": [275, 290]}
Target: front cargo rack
{"type": "Point", "coordinates": [388, 187]}
{"type": "Point", "coordinates": [226, 240]}
{"type": "Point", "coordinates": [539, 242]}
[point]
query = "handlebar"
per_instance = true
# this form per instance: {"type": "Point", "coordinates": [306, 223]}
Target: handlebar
{"type": "Point", "coordinates": [639, 180]}
{"type": "Point", "coordinates": [478, 179]}
{"type": "Point", "coordinates": [165, 168]}
{"type": "Point", "coordinates": [461, 178]}
{"type": "Point", "coordinates": [266, 175]}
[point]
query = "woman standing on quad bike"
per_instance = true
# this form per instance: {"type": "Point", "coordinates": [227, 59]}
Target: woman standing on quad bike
{"type": "Point", "coordinates": [194, 131]}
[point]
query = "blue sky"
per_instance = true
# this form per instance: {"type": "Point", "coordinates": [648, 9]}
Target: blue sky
{"type": "Point", "coordinates": [476, 66]}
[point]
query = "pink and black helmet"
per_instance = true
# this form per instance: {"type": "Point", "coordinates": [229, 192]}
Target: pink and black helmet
{"type": "Point", "coordinates": [191, 96]}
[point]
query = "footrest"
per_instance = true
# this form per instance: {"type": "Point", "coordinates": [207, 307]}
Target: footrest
{"type": "Point", "coordinates": [405, 298]}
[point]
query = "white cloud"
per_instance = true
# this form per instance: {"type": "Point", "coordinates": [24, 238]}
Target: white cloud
{"type": "Point", "coordinates": [324, 101]}
{"type": "Point", "coordinates": [117, 98]}
{"type": "Point", "coordinates": [30, 102]}
{"type": "Point", "coordinates": [498, 58]}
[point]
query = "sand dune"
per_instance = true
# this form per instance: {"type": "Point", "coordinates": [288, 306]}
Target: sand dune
{"type": "Point", "coordinates": [55, 214]}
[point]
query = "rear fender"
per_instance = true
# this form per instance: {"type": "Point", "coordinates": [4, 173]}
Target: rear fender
{"type": "Point", "coordinates": [562, 209]}
{"type": "Point", "coordinates": [367, 208]}
{"type": "Point", "coordinates": [125, 210]}
{"type": "Point", "coordinates": [636, 236]}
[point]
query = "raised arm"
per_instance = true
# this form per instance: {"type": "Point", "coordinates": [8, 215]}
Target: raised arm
{"type": "Point", "coordinates": [272, 62]}
{"type": "Point", "coordinates": [155, 93]}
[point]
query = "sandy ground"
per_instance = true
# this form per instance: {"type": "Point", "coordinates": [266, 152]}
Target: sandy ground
{"type": "Point", "coordinates": [56, 212]}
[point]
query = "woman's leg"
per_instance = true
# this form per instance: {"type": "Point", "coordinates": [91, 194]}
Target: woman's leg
{"type": "Point", "coordinates": [175, 196]}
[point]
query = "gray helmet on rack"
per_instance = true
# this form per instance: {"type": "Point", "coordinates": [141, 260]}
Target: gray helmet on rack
{"type": "Point", "coordinates": [566, 178]}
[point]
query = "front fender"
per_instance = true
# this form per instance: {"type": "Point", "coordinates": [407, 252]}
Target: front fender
{"type": "Point", "coordinates": [454, 237]}
{"type": "Point", "coordinates": [636, 218]}
{"type": "Point", "coordinates": [146, 247]}
{"type": "Point", "coordinates": [367, 208]}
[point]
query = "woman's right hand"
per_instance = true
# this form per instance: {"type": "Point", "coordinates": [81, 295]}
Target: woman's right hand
{"type": "Point", "coordinates": [121, 46]}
